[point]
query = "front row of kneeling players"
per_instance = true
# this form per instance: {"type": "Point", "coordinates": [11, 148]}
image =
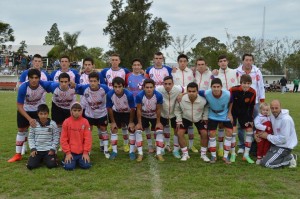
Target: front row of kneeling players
{"type": "Point", "coordinates": [205, 109]}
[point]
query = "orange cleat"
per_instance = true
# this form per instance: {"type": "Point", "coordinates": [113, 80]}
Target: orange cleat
{"type": "Point", "coordinates": [16, 157]}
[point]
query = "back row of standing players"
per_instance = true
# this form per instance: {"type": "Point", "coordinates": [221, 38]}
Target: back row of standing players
{"type": "Point", "coordinates": [155, 107]}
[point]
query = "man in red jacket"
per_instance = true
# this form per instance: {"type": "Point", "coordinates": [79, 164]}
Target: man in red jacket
{"type": "Point", "coordinates": [76, 139]}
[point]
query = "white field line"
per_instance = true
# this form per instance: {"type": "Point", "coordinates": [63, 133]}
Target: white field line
{"type": "Point", "coordinates": [155, 179]}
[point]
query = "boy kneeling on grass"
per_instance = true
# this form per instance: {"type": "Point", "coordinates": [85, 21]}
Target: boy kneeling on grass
{"type": "Point", "coordinates": [43, 140]}
{"type": "Point", "coordinates": [76, 139]}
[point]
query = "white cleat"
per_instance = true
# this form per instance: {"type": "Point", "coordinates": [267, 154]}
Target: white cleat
{"type": "Point", "coordinates": [205, 158]}
{"type": "Point", "coordinates": [185, 157]}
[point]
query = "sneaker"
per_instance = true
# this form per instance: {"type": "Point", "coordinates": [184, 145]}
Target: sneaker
{"type": "Point", "coordinates": [101, 148]}
{"type": "Point", "coordinates": [226, 160]}
{"type": "Point", "coordinates": [248, 159]}
{"type": "Point", "coordinates": [113, 156]}
{"type": "Point", "coordinates": [16, 157]}
{"type": "Point", "coordinates": [258, 161]}
{"type": "Point", "coordinates": [220, 152]}
{"type": "Point", "coordinates": [160, 158]}
{"type": "Point", "coordinates": [106, 154]}
{"type": "Point", "coordinates": [213, 159]}
{"type": "Point", "coordinates": [185, 157]}
{"type": "Point", "coordinates": [240, 151]}
{"type": "Point", "coordinates": [293, 161]}
{"type": "Point", "coordinates": [139, 158]}
{"type": "Point", "coordinates": [126, 148]}
{"type": "Point", "coordinates": [232, 157]}
{"type": "Point", "coordinates": [205, 158]}
{"type": "Point", "coordinates": [176, 154]}
{"type": "Point", "coordinates": [194, 149]}
{"type": "Point", "coordinates": [110, 147]}
{"type": "Point", "coordinates": [168, 148]}
{"type": "Point", "coordinates": [150, 149]}
{"type": "Point", "coordinates": [132, 156]}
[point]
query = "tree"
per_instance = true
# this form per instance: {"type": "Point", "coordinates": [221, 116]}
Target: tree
{"type": "Point", "coordinates": [180, 44]}
{"type": "Point", "coordinates": [210, 49]}
{"type": "Point", "coordinates": [293, 64]}
{"type": "Point", "coordinates": [53, 36]}
{"type": "Point", "coordinates": [134, 32]}
{"type": "Point", "coordinates": [6, 33]}
{"type": "Point", "coordinates": [272, 66]}
{"type": "Point", "coordinates": [22, 48]}
{"type": "Point", "coordinates": [69, 47]}
{"type": "Point", "coordinates": [97, 54]}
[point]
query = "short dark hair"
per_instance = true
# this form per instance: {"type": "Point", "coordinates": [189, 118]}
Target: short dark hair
{"type": "Point", "coordinates": [136, 59]}
{"type": "Point", "coordinates": [118, 80]}
{"type": "Point", "coordinates": [76, 105]}
{"type": "Point", "coordinates": [247, 55]}
{"type": "Point", "coordinates": [168, 77]}
{"type": "Point", "coordinates": [115, 55]}
{"type": "Point", "coordinates": [94, 75]}
{"type": "Point", "coordinates": [37, 56]}
{"type": "Point", "coordinates": [192, 85]}
{"type": "Point", "coordinates": [216, 81]}
{"type": "Point", "coordinates": [182, 56]}
{"type": "Point", "coordinates": [64, 75]}
{"type": "Point", "coordinates": [200, 59]}
{"type": "Point", "coordinates": [34, 71]}
{"type": "Point", "coordinates": [88, 59]}
{"type": "Point", "coordinates": [245, 78]}
{"type": "Point", "coordinates": [43, 108]}
{"type": "Point", "coordinates": [65, 56]}
{"type": "Point", "coordinates": [222, 57]}
{"type": "Point", "coordinates": [148, 81]}
{"type": "Point", "coordinates": [159, 53]}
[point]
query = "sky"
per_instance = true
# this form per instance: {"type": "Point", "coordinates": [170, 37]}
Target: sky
{"type": "Point", "coordinates": [31, 19]}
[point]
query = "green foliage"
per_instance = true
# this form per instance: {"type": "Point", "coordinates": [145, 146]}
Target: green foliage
{"type": "Point", "coordinates": [123, 178]}
{"type": "Point", "coordinates": [293, 63]}
{"type": "Point", "coordinates": [53, 36]}
{"type": "Point", "coordinates": [97, 54]}
{"type": "Point", "coordinates": [6, 33]}
{"type": "Point", "coordinates": [273, 66]}
{"type": "Point", "coordinates": [134, 32]}
{"type": "Point", "coordinates": [22, 48]}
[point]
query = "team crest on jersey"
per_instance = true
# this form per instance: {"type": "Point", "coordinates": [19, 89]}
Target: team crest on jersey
{"type": "Point", "coordinates": [199, 109]}
{"type": "Point", "coordinates": [232, 80]}
{"type": "Point", "coordinates": [151, 75]}
{"type": "Point", "coordinates": [81, 80]}
{"type": "Point", "coordinates": [56, 78]}
{"type": "Point", "coordinates": [27, 96]}
{"type": "Point", "coordinates": [190, 78]}
{"type": "Point", "coordinates": [247, 100]}
{"type": "Point", "coordinates": [206, 83]}
{"type": "Point", "coordinates": [86, 95]}
{"type": "Point", "coordinates": [108, 76]}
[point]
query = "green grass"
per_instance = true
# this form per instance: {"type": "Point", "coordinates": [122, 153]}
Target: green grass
{"type": "Point", "coordinates": [123, 178]}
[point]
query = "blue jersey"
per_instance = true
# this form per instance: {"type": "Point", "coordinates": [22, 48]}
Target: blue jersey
{"type": "Point", "coordinates": [109, 74]}
{"type": "Point", "coordinates": [94, 102]}
{"type": "Point", "coordinates": [135, 82]}
{"type": "Point", "coordinates": [74, 76]}
{"type": "Point", "coordinates": [149, 104]}
{"type": "Point", "coordinates": [121, 104]}
{"type": "Point", "coordinates": [158, 74]}
{"type": "Point", "coordinates": [218, 107]}
{"type": "Point", "coordinates": [24, 76]}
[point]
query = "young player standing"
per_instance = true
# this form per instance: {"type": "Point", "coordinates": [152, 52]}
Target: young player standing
{"type": "Point", "coordinates": [88, 67]}
{"type": "Point", "coordinates": [94, 100]}
{"type": "Point", "coordinates": [192, 110]}
{"type": "Point", "coordinates": [134, 80]}
{"type": "Point", "coordinates": [121, 109]}
{"type": "Point", "coordinates": [148, 112]}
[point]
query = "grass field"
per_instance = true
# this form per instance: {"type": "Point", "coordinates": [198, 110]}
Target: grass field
{"type": "Point", "coordinates": [122, 178]}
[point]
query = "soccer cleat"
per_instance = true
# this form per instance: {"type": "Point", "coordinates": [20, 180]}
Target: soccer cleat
{"type": "Point", "coordinates": [150, 149]}
{"type": "Point", "coordinates": [101, 148]}
{"type": "Point", "coordinates": [240, 151]}
{"type": "Point", "coordinates": [185, 157]}
{"type": "Point", "coordinates": [16, 157]}
{"type": "Point", "coordinates": [176, 154]}
{"type": "Point", "coordinates": [110, 147]}
{"type": "Point", "coordinates": [139, 158]}
{"type": "Point", "coordinates": [226, 160]}
{"type": "Point", "coordinates": [258, 161]}
{"type": "Point", "coordinates": [293, 161]}
{"type": "Point", "coordinates": [232, 157]}
{"type": "Point", "coordinates": [113, 156]}
{"type": "Point", "coordinates": [132, 156]}
{"type": "Point", "coordinates": [213, 159]}
{"type": "Point", "coordinates": [205, 158]}
{"type": "Point", "coordinates": [126, 148]}
{"type": "Point", "coordinates": [220, 152]}
{"type": "Point", "coordinates": [248, 159]}
{"type": "Point", "coordinates": [106, 154]}
{"type": "Point", "coordinates": [168, 148]}
{"type": "Point", "coordinates": [194, 149]}
{"type": "Point", "coordinates": [160, 158]}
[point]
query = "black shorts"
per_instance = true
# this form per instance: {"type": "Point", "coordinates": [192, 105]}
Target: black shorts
{"type": "Point", "coordinates": [58, 114]}
{"type": "Point", "coordinates": [121, 118]}
{"type": "Point", "coordinates": [97, 121]}
{"type": "Point", "coordinates": [213, 124]}
{"type": "Point", "coordinates": [166, 122]}
{"type": "Point", "coordinates": [147, 121]}
{"type": "Point", "coordinates": [242, 121]}
{"type": "Point", "coordinates": [22, 122]}
{"type": "Point", "coordinates": [200, 125]}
